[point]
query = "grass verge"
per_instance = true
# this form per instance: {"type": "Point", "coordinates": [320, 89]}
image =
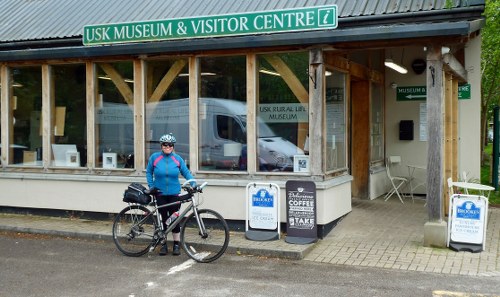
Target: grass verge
{"type": "Point", "coordinates": [494, 198]}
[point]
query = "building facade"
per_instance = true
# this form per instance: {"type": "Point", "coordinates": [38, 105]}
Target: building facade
{"type": "Point", "coordinates": [260, 91]}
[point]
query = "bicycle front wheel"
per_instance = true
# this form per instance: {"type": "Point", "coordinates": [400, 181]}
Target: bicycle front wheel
{"type": "Point", "coordinates": [133, 230]}
{"type": "Point", "coordinates": [206, 240]}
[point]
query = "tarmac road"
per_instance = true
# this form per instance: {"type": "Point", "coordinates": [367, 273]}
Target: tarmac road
{"type": "Point", "coordinates": [42, 265]}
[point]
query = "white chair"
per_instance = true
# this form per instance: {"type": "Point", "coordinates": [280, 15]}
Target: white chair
{"type": "Point", "coordinates": [397, 182]}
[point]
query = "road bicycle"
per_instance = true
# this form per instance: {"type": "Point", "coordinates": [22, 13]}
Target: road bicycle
{"type": "Point", "coordinates": [204, 236]}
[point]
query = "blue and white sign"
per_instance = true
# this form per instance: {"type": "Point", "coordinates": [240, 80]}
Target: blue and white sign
{"type": "Point", "coordinates": [263, 206]}
{"type": "Point", "coordinates": [468, 219]}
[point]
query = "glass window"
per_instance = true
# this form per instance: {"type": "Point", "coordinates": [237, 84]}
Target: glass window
{"type": "Point", "coordinates": [167, 105]}
{"type": "Point", "coordinates": [222, 113]}
{"type": "Point", "coordinates": [115, 115]}
{"type": "Point", "coordinates": [283, 103]}
{"type": "Point", "coordinates": [69, 147]}
{"type": "Point", "coordinates": [377, 126]}
{"type": "Point", "coordinates": [335, 120]}
{"type": "Point", "coordinates": [26, 141]}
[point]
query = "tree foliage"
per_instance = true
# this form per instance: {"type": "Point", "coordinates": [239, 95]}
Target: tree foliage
{"type": "Point", "coordinates": [490, 62]}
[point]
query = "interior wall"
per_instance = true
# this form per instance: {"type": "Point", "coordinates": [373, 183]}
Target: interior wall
{"type": "Point", "coordinates": [413, 152]}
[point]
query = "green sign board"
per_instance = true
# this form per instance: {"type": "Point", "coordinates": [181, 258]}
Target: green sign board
{"type": "Point", "coordinates": [288, 20]}
{"type": "Point", "coordinates": [464, 92]}
{"type": "Point", "coordinates": [411, 93]}
{"type": "Point", "coordinates": [416, 93]}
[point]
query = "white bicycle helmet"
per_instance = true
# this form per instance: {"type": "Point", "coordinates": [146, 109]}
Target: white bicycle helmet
{"type": "Point", "coordinates": [167, 138]}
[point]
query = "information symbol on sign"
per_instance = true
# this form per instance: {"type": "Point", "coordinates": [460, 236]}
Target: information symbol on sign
{"type": "Point", "coordinates": [326, 17]}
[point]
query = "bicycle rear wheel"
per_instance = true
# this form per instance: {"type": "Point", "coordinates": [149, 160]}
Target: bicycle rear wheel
{"type": "Point", "coordinates": [206, 247]}
{"type": "Point", "coordinates": [133, 230]}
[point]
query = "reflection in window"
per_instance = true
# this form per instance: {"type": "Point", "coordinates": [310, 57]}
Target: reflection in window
{"type": "Point", "coordinates": [167, 105]}
{"type": "Point", "coordinates": [70, 138]}
{"type": "Point", "coordinates": [26, 104]}
{"type": "Point", "coordinates": [115, 115]}
{"type": "Point", "coordinates": [377, 130]}
{"type": "Point", "coordinates": [335, 121]}
{"type": "Point", "coordinates": [283, 121]}
{"type": "Point", "coordinates": [222, 113]}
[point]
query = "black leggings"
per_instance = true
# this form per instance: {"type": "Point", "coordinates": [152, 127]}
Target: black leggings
{"type": "Point", "coordinates": [166, 212]}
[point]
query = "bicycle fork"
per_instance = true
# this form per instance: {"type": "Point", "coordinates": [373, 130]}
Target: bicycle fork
{"type": "Point", "coordinates": [202, 230]}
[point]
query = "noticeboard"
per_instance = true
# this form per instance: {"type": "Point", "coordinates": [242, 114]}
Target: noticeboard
{"type": "Point", "coordinates": [301, 212]}
{"type": "Point", "coordinates": [467, 228]}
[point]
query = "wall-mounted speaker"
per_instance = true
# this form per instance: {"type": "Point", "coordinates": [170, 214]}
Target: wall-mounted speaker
{"type": "Point", "coordinates": [406, 130]}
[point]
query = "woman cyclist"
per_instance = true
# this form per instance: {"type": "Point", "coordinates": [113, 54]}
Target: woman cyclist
{"type": "Point", "coordinates": [162, 173]}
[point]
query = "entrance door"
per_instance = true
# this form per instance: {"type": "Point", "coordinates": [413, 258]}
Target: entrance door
{"type": "Point", "coordinates": [360, 138]}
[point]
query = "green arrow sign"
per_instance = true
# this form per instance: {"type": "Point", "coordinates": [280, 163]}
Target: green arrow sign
{"type": "Point", "coordinates": [299, 19]}
{"type": "Point", "coordinates": [417, 93]}
{"type": "Point", "coordinates": [411, 93]}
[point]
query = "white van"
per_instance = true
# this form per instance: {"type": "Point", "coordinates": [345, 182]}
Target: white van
{"type": "Point", "coordinates": [223, 137]}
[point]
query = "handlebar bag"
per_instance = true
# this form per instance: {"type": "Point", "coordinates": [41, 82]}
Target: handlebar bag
{"type": "Point", "coordinates": [135, 194]}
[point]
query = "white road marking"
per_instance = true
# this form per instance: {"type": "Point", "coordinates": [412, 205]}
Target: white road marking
{"type": "Point", "coordinates": [181, 267]}
{"type": "Point", "coordinates": [438, 293]}
{"type": "Point", "coordinates": [186, 264]}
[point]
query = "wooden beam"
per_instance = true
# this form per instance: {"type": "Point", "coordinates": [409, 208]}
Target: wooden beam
{"type": "Point", "coordinates": [359, 71]}
{"type": "Point", "coordinates": [47, 118]}
{"type": "Point", "coordinates": [452, 65]}
{"type": "Point", "coordinates": [435, 93]}
{"type": "Point", "coordinates": [448, 143]}
{"type": "Point", "coordinates": [139, 115]}
{"type": "Point", "coordinates": [92, 132]}
{"type": "Point", "coordinates": [119, 82]}
{"type": "Point", "coordinates": [6, 117]}
{"type": "Point", "coordinates": [316, 113]}
{"type": "Point", "coordinates": [297, 89]}
{"type": "Point", "coordinates": [252, 99]}
{"type": "Point", "coordinates": [194, 82]}
{"type": "Point", "coordinates": [289, 77]}
{"type": "Point", "coordinates": [336, 61]}
{"type": "Point", "coordinates": [454, 128]}
{"type": "Point", "coordinates": [167, 80]}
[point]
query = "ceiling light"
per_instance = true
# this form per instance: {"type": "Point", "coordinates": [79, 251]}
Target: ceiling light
{"type": "Point", "coordinates": [202, 74]}
{"type": "Point", "coordinates": [390, 63]}
{"type": "Point", "coordinates": [265, 71]}
{"type": "Point", "coordinates": [109, 78]}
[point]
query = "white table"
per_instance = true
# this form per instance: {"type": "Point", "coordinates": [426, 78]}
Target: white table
{"type": "Point", "coordinates": [411, 177]}
{"type": "Point", "coordinates": [473, 186]}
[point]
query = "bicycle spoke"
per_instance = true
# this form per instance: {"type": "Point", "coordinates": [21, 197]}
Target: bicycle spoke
{"type": "Point", "coordinates": [210, 245]}
{"type": "Point", "coordinates": [133, 230]}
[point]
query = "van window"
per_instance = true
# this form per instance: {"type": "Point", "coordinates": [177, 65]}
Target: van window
{"type": "Point", "coordinates": [228, 128]}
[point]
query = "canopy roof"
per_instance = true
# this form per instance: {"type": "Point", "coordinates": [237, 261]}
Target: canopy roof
{"type": "Point", "coordinates": [29, 28]}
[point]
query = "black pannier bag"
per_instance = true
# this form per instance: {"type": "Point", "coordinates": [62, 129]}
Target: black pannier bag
{"type": "Point", "coordinates": [135, 194]}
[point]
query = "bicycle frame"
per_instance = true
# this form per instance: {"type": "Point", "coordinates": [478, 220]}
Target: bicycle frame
{"type": "Point", "coordinates": [186, 198]}
{"type": "Point", "coordinates": [204, 233]}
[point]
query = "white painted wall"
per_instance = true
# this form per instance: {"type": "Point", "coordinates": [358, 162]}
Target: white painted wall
{"type": "Point", "coordinates": [415, 151]}
{"type": "Point", "coordinates": [469, 113]}
{"type": "Point", "coordinates": [104, 194]}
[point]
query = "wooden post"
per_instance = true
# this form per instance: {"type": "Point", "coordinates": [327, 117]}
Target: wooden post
{"type": "Point", "coordinates": [435, 101]}
{"type": "Point", "coordinates": [252, 99]}
{"type": "Point", "coordinates": [48, 111]}
{"type": "Point", "coordinates": [92, 131]}
{"type": "Point", "coordinates": [316, 113]}
{"type": "Point", "coordinates": [448, 138]}
{"type": "Point", "coordinates": [139, 114]}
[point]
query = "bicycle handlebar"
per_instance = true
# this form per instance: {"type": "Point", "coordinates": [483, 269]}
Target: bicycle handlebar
{"type": "Point", "coordinates": [186, 186]}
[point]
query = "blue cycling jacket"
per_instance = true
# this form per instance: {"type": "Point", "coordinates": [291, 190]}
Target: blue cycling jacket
{"type": "Point", "coordinates": [163, 171]}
